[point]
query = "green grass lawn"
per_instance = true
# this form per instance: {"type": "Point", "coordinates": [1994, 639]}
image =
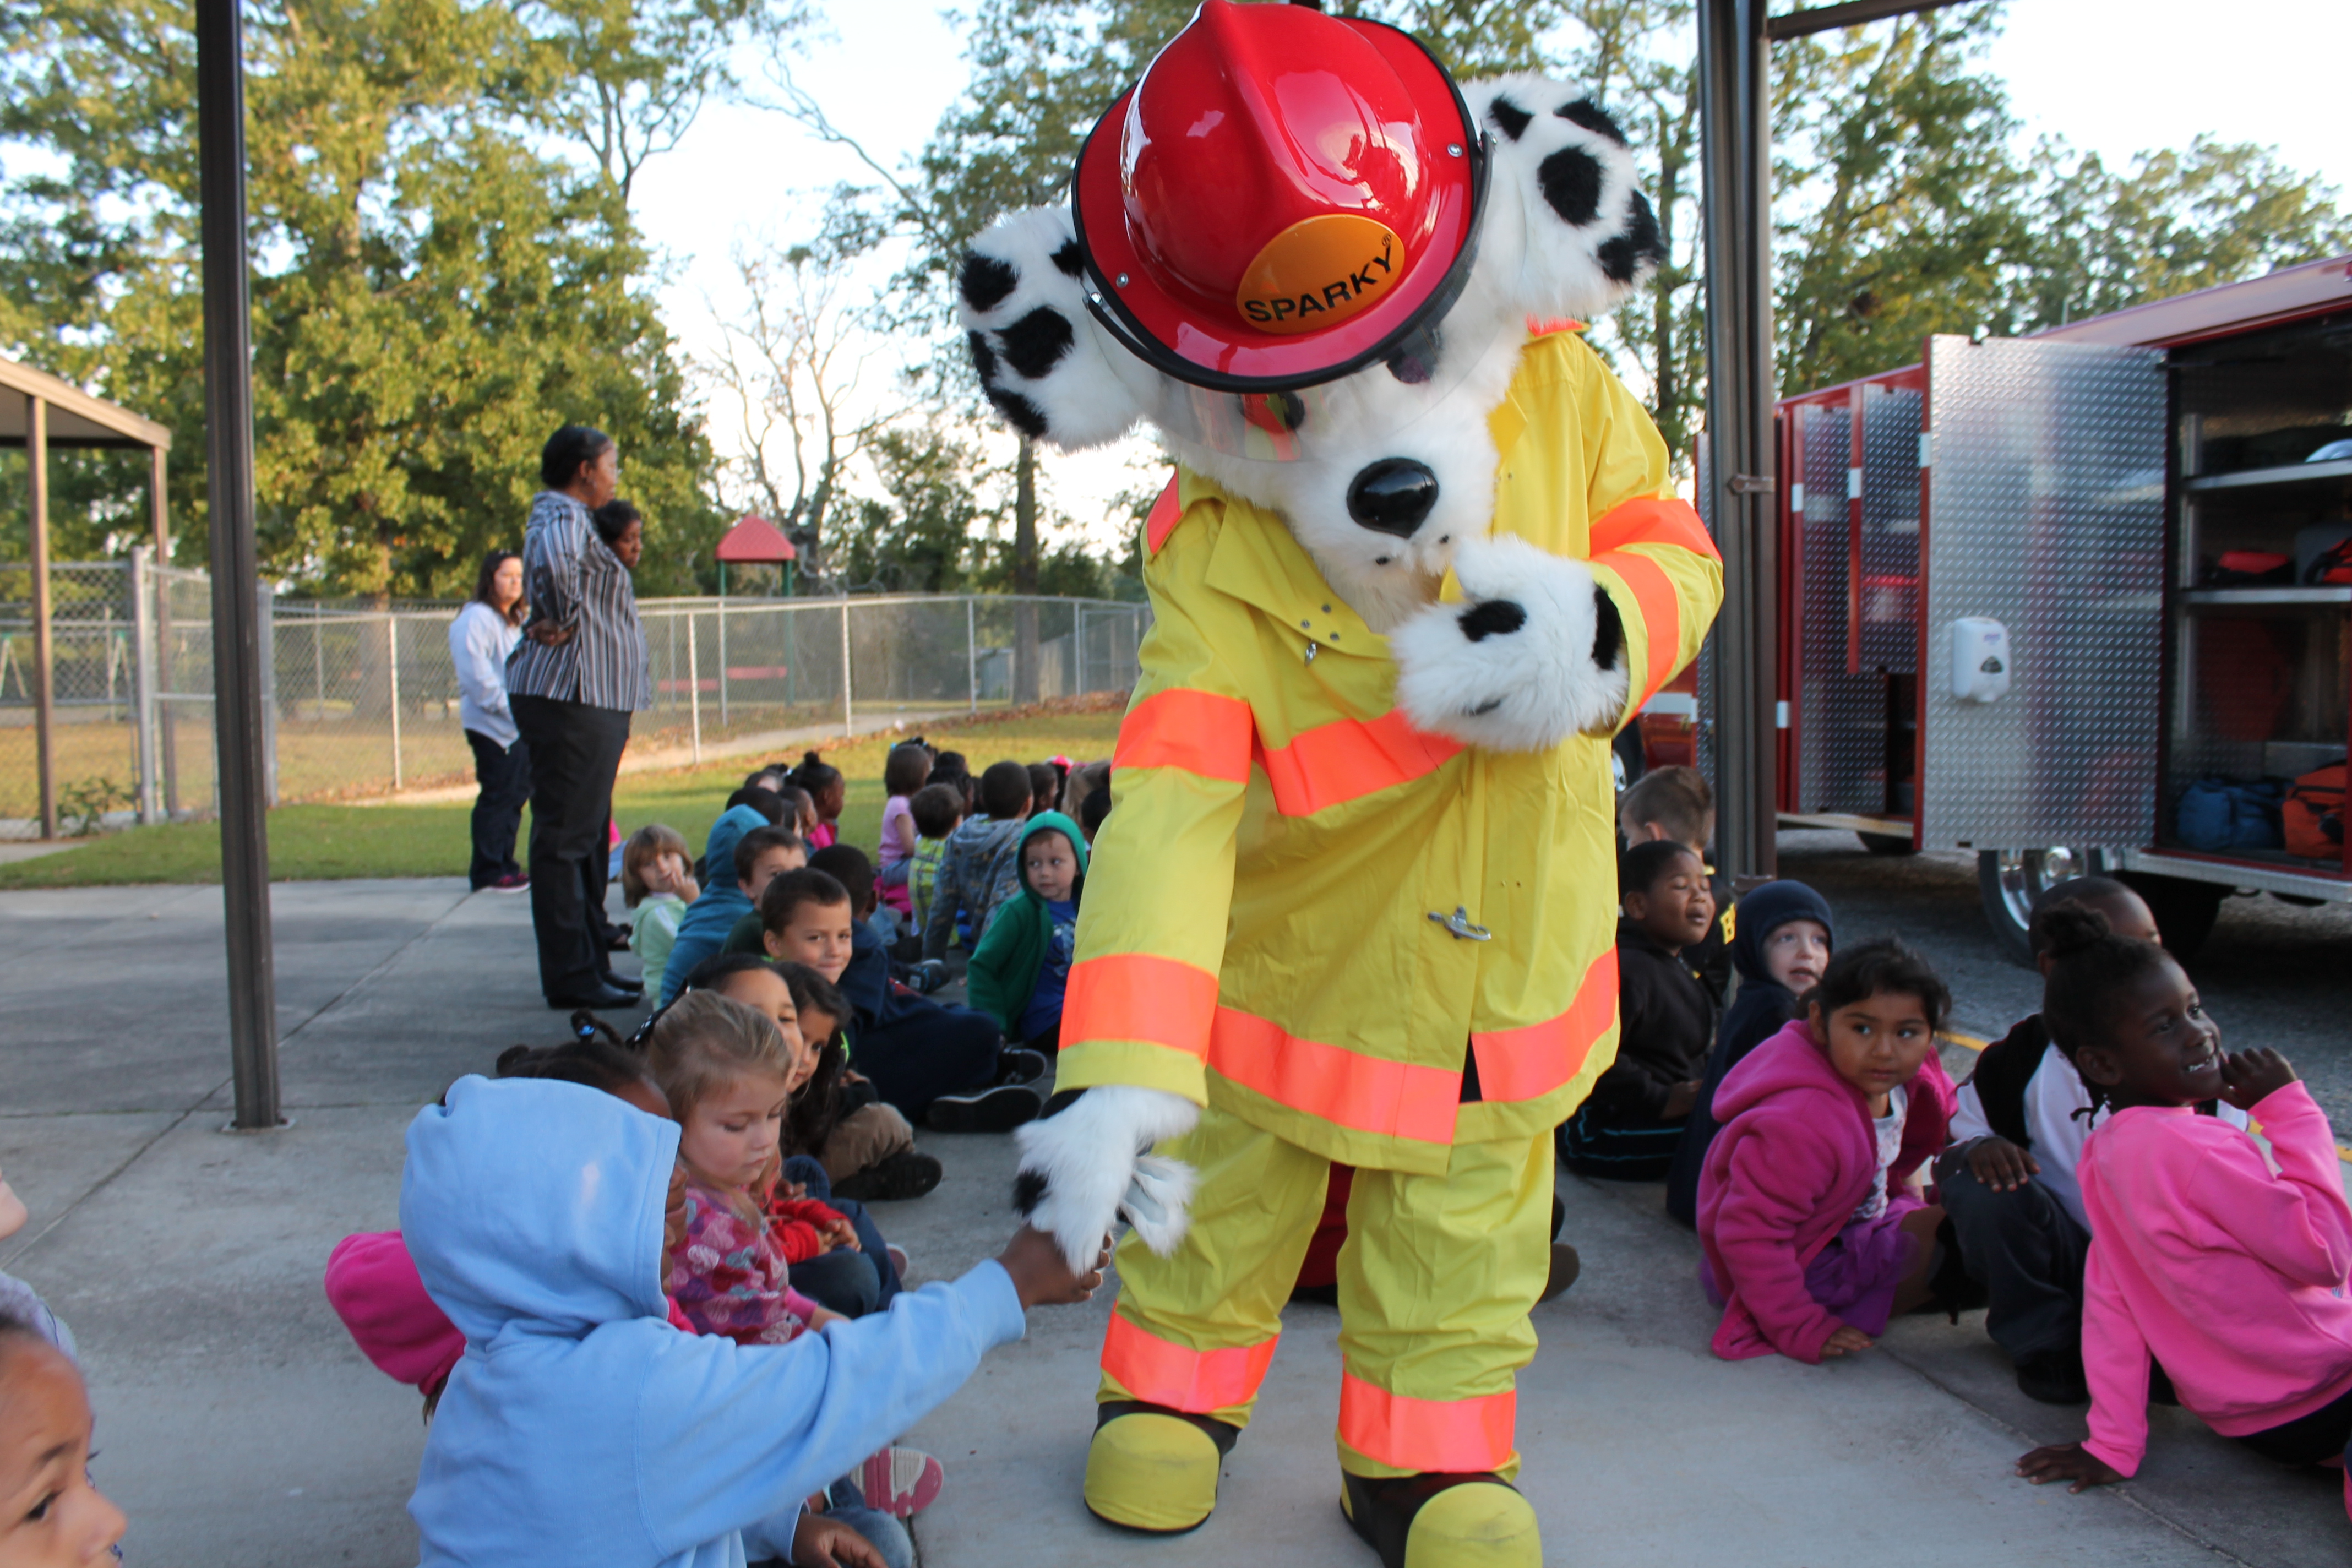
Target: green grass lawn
{"type": "Point", "coordinates": [328, 842]}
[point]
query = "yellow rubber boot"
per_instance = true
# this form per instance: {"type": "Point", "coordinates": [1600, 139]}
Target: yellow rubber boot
{"type": "Point", "coordinates": [1443, 1522]}
{"type": "Point", "coordinates": [1155, 1469]}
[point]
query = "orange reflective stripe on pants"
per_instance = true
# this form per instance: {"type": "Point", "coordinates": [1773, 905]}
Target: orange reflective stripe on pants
{"type": "Point", "coordinates": [1529, 1062]}
{"type": "Point", "coordinates": [1394, 1100]}
{"type": "Point", "coordinates": [1197, 731]}
{"type": "Point", "coordinates": [1138, 996]}
{"type": "Point", "coordinates": [1419, 1435]}
{"type": "Point", "coordinates": [1153, 1370]}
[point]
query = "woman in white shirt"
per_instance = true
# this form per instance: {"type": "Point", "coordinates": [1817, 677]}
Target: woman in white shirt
{"type": "Point", "coordinates": [481, 636]}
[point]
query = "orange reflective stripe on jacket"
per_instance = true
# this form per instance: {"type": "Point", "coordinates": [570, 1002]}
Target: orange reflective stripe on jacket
{"type": "Point", "coordinates": [1346, 760]}
{"type": "Point", "coordinates": [1153, 1370]}
{"type": "Point", "coordinates": [1138, 996]}
{"type": "Point", "coordinates": [1391, 1099]}
{"type": "Point", "coordinates": [1654, 520]}
{"type": "Point", "coordinates": [1197, 731]}
{"type": "Point", "coordinates": [1455, 1434]}
{"type": "Point", "coordinates": [1529, 1062]}
{"type": "Point", "coordinates": [1662, 614]}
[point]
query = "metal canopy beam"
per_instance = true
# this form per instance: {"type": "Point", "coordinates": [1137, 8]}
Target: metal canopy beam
{"type": "Point", "coordinates": [236, 610]}
{"type": "Point", "coordinates": [1822, 18]}
{"type": "Point", "coordinates": [1735, 95]}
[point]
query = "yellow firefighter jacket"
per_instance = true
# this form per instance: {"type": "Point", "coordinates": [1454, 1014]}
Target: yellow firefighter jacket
{"type": "Point", "coordinates": [1263, 926]}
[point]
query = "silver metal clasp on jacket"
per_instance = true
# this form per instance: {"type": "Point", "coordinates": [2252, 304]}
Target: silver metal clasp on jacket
{"type": "Point", "coordinates": [1461, 925]}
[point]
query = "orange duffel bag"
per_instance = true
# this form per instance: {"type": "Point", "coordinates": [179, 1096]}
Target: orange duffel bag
{"type": "Point", "coordinates": [2314, 815]}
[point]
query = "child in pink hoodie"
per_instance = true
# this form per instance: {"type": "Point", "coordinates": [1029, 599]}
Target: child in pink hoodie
{"type": "Point", "coordinates": [1812, 1236]}
{"type": "Point", "coordinates": [2228, 1267]}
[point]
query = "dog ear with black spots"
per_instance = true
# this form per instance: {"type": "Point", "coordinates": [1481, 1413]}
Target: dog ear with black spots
{"type": "Point", "coordinates": [1041, 359]}
{"type": "Point", "coordinates": [1564, 200]}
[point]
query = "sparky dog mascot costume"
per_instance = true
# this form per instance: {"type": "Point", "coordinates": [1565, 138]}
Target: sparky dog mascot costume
{"type": "Point", "coordinates": [1420, 560]}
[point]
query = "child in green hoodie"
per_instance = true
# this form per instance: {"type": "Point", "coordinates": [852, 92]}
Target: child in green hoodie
{"type": "Point", "coordinates": [1022, 966]}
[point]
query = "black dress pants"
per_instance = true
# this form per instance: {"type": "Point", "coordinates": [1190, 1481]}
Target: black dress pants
{"type": "Point", "coordinates": [575, 751]}
{"type": "Point", "coordinates": [2028, 1252]}
{"type": "Point", "coordinates": [504, 774]}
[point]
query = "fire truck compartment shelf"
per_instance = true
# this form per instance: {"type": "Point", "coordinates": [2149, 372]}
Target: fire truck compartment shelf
{"type": "Point", "coordinates": [2287, 474]}
{"type": "Point", "coordinates": [2335, 889]}
{"type": "Point", "coordinates": [2338, 594]}
{"type": "Point", "coordinates": [1886, 826]}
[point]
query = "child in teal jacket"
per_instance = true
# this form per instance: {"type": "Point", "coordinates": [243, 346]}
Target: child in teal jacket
{"type": "Point", "coordinates": [1022, 966]}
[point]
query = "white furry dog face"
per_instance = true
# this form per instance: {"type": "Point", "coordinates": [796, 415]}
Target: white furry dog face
{"type": "Point", "coordinates": [1393, 473]}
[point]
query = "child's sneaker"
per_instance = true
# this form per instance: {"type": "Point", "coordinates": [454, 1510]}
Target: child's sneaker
{"type": "Point", "coordinates": [900, 1482]}
{"type": "Point", "coordinates": [908, 1174]}
{"type": "Point", "coordinates": [1017, 1064]}
{"type": "Point", "coordinates": [998, 1109]}
{"type": "Point", "coordinates": [898, 1257]}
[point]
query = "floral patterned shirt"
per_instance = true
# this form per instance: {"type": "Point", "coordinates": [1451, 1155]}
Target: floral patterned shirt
{"type": "Point", "coordinates": [730, 1277]}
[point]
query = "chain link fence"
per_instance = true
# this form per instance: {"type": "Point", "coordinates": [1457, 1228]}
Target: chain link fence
{"type": "Point", "coordinates": [362, 701]}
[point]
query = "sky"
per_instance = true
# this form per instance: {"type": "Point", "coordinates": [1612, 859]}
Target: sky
{"type": "Point", "coordinates": [2114, 77]}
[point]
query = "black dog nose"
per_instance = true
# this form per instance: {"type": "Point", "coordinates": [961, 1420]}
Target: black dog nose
{"type": "Point", "coordinates": [1393, 496]}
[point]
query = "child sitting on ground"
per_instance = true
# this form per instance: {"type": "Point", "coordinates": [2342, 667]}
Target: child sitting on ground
{"type": "Point", "coordinates": [1783, 943]}
{"type": "Point", "coordinates": [978, 869]}
{"type": "Point", "coordinates": [907, 770]}
{"type": "Point", "coordinates": [937, 810]}
{"type": "Point", "coordinates": [826, 1248]}
{"type": "Point", "coordinates": [2009, 1181]}
{"type": "Point", "coordinates": [1812, 1236]}
{"type": "Point", "coordinates": [1021, 967]}
{"type": "Point", "coordinates": [1627, 1127]}
{"type": "Point", "coordinates": [580, 1423]}
{"type": "Point", "coordinates": [2227, 1268]}
{"type": "Point", "coordinates": [1676, 804]}
{"type": "Point", "coordinates": [827, 792]}
{"type": "Point", "coordinates": [865, 1147]}
{"type": "Point", "coordinates": [57, 1515]}
{"type": "Point", "coordinates": [945, 1067]}
{"type": "Point", "coordinates": [1044, 787]}
{"type": "Point", "coordinates": [656, 887]}
{"type": "Point", "coordinates": [758, 854]}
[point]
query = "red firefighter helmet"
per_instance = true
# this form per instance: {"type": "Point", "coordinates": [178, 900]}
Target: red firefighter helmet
{"type": "Point", "coordinates": [1284, 197]}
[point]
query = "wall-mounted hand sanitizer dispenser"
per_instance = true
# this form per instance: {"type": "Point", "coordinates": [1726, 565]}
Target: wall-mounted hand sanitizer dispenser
{"type": "Point", "coordinates": [1979, 660]}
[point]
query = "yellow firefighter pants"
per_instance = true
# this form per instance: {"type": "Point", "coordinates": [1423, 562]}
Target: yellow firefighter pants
{"type": "Point", "coordinates": [1435, 1283]}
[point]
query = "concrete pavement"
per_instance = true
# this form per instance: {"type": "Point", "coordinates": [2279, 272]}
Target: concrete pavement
{"type": "Point", "coordinates": [239, 1426]}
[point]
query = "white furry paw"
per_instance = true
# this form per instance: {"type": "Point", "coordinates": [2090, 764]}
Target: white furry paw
{"type": "Point", "coordinates": [1089, 1164]}
{"type": "Point", "coordinates": [1037, 353]}
{"type": "Point", "coordinates": [1534, 654]}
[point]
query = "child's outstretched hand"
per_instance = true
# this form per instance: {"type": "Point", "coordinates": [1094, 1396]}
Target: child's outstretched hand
{"type": "Point", "coordinates": [820, 1540]}
{"type": "Point", "coordinates": [1683, 1098]}
{"type": "Point", "coordinates": [1040, 1275]}
{"type": "Point", "coordinates": [2249, 1077]}
{"type": "Point", "coordinates": [1846, 1338]}
{"type": "Point", "coordinates": [839, 1233]}
{"type": "Point", "coordinates": [2000, 1165]}
{"type": "Point", "coordinates": [2067, 1462]}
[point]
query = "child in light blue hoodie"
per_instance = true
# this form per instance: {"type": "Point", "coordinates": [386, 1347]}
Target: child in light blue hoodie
{"type": "Point", "coordinates": [580, 1429]}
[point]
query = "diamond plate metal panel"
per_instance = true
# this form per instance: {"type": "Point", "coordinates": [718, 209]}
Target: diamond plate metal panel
{"type": "Point", "coordinates": [2045, 512]}
{"type": "Point", "coordinates": [1888, 601]}
{"type": "Point", "coordinates": [1842, 717]}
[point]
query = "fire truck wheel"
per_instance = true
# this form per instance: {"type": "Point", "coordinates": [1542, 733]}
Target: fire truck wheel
{"type": "Point", "coordinates": [2184, 910]}
{"type": "Point", "coordinates": [2009, 880]}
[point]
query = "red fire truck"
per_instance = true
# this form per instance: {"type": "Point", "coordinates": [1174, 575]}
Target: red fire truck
{"type": "Point", "coordinates": [2080, 602]}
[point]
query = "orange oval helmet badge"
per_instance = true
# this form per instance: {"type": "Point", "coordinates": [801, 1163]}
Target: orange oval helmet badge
{"type": "Point", "coordinates": [1318, 272]}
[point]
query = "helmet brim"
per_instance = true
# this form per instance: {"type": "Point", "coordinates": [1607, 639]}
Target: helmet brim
{"type": "Point", "coordinates": [1217, 349]}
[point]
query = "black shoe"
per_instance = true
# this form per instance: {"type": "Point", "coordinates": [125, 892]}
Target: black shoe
{"type": "Point", "coordinates": [908, 1174]}
{"type": "Point", "coordinates": [997, 1110]}
{"type": "Point", "coordinates": [1382, 1511]}
{"type": "Point", "coordinates": [2053, 1377]}
{"type": "Point", "coordinates": [623, 982]}
{"type": "Point", "coordinates": [1016, 1065]}
{"type": "Point", "coordinates": [1565, 1266]}
{"type": "Point", "coordinates": [602, 997]}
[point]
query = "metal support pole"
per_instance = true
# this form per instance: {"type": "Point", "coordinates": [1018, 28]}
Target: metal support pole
{"type": "Point", "coordinates": [971, 650]}
{"type": "Point", "coordinates": [1735, 87]}
{"type": "Point", "coordinates": [142, 678]}
{"type": "Point", "coordinates": [237, 647]}
{"type": "Point", "coordinates": [1078, 647]}
{"type": "Point", "coordinates": [847, 726]}
{"type": "Point", "coordinates": [266, 622]}
{"type": "Point", "coordinates": [45, 696]}
{"type": "Point", "coordinates": [392, 670]}
{"type": "Point", "coordinates": [722, 645]}
{"type": "Point", "coordinates": [693, 687]}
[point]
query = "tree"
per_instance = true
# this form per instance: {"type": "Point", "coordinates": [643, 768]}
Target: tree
{"type": "Point", "coordinates": [431, 293]}
{"type": "Point", "coordinates": [792, 365]}
{"type": "Point", "coordinates": [921, 538]}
